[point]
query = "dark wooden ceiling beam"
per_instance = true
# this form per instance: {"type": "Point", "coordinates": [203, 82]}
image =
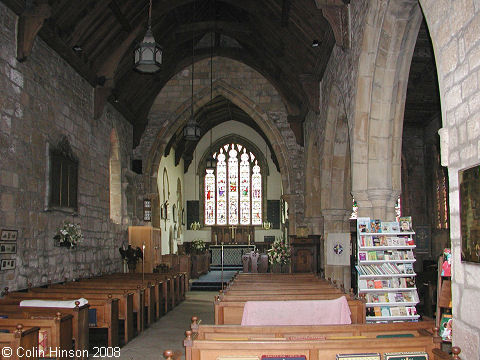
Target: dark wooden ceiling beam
{"type": "Point", "coordinates": [87, 22]}
{"type": "Point", "coordinates": [220, 26]}
{"type": "Point", "coordinates": [29, 24]}
{"type": "Point", "coordinates": [120, 16]}
{"type": "Point", "coordinates": [285, 13]}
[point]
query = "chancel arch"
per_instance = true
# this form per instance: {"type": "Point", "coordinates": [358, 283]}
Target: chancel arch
{"type": "Point", "coordinates": [178, 117]}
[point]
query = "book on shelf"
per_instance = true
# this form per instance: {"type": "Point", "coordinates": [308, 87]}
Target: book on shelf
{"type": "Point", "coordinates": [411, 311]}
{"type": "Point", "coordinates": [372, 255]}
{"type": "Point", "coordinates": [377, 311]}
{"type": "Point", "coordinates": [375, 226]}
{"type": "Point", "coordinates": [363, 224]}
{"type": "Point", "coordinates": [362, 255]}
{"type": "Point", "coordinates": [446, 327]}
{"type": "Point", "coordinates": [408, 268]}
{"type": "Point", "coordinates": [375, 240]}
{"type": "Point", "coordinates": [390, 226]}
{"type": "Point", "coordinates": [385, 310]}
{"type": "Point", "coordinates": [378, 284]}
{"type": "Point", "coordinates": [405, 223]}
{"type": "Point", "coordinates": [380, 255]}
{"type": "Point", "coordinates": [383, 240]}
{"type": "Point", "coordinates": [362, 284]}
{"type": "Point", "coordinates": [363, 356]}
{"type": "Point", "coordinates": [406, 356]}
{"type": "Point", "coordinates": [409, 282]}
{"type": "Point", "coordinates": [370, 284]}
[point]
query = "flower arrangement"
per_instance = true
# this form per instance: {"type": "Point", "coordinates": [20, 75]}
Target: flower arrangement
{"type": "Point", "coordinates": [68, 235]}
{"type": "Point", "coordinates": [279, 253]}
{"type": "Point", "coordinates": [198, 246]}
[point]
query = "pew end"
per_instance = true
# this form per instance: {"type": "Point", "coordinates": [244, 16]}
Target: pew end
{"type": "Point", "coordinates": [442, 355]}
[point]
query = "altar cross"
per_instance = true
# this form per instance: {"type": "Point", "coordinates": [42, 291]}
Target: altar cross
{"type": "Point", "coordinates": [233, 228]}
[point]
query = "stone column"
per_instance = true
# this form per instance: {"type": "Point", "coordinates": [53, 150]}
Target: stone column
{"type": "Point", "coordinates": [336, 221]}
{"type": "Point", "coordinates": [376, 203]}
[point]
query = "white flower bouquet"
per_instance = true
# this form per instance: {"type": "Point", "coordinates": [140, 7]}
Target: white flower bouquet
{"type": "Point", "coordinates": [279, 253]}
{"type": "Point", "coordinates": [68, 235]}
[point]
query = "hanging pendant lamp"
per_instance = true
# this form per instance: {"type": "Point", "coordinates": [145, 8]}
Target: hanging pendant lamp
{"type": "Point", "coordinates": [191, 132]}
{"type": "Point", "coordinates": [148, 54]}
{"type": "Point", "coordinates": [211, 162]}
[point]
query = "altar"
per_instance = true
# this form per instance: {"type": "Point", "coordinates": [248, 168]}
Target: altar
{"type": "Point", "coordinates": [232, 254]}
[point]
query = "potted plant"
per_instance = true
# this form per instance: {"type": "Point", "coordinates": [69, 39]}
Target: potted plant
{"type": "Point", "coordinates": [131, 256]}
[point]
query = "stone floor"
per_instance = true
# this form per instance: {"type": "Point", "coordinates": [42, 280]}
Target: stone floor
{"type": "Point", "coordinates": [169, 331]}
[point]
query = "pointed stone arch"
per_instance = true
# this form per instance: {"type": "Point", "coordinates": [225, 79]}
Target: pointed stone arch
{"type": "Point", "coordinates": [388, 43]}
{"type": "Point", "coordinates": [179, 119]}
{"type": "Point", "coordinates": [336, 160]}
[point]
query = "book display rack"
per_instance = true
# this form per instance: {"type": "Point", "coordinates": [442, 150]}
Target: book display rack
{"type": "Point", "coordinates": [386, 278]}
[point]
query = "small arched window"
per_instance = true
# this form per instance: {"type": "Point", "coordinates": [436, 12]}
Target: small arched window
{"type": "Point", "coordinates": [233, 192]}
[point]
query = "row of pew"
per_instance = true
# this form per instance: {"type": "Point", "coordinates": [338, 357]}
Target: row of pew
{"type": "Point", "coordinates": [132, 300]}
{"type": "Point", "coordinates": [228, 339]}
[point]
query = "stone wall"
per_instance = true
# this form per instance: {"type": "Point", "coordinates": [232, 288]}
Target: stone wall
{"type": "Point", "coordinates": [454, 28]}
{"type": "Point", "coordinates": [42, 100]}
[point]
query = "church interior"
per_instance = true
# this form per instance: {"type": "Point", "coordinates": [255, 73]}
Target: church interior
{"type": "Point", "coordinates": [158, 141]}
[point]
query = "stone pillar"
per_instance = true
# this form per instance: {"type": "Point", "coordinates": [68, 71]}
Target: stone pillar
{"type": "Point", "coordinates": [376, 203]}
{"type": "Point", "coordinates": [336, 221]}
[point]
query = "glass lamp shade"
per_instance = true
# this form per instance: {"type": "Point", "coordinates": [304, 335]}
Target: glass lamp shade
{"type": "Point", "coordinates": [148, 54]}
{"type": "Point", "coordinates": [211, 163]}
{"type": "Point", "coordinates": [191, 132]}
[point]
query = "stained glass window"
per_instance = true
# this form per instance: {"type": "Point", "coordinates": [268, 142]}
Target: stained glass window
{"type": "Point", "coordinates": [232, 187]}
{"type": "Point", "coordinates": [244, 189]}
{"type": "Point", "coordinates": [209, 198]}
{"type": "Point", "coordinates": [221, 189]}
{"type": "Point", "coordinates": [233, 194]}
{"type": "Point", "coordinates": [256, 195]}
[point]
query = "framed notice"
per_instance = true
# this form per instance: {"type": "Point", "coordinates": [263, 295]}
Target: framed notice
{"type": "Point", "coordinates": [469, 181]}
{"type": "Point", "coordinates": [7, 264]}
{"type": "Point", "coordinates": [366, 356]}
{"type": "Point", "coordinates": [9, 235]}
{"type": "Point", "coordinates": [147, 210]}
{"type": "Point", "coordinates": [406, 356]}
{"type": "Point", "coordinates": [8, 247]}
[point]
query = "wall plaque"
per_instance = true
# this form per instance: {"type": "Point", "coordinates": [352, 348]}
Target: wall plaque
{"type": "Point", "coordinates": [469, 181]}
{"type": "Point", "coordinates": [7, 264]}
{"type": "Point", "coordinates": [8, 248]}
{"type": "Point", "coordinates": [9, 235]}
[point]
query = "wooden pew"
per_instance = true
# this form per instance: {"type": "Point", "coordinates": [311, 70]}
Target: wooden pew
{"type": "Point", "coordinates": [58, 328]}
{"type": "Point", "coordinates": [206, 331]}
{"type": "Point", "coordinates": [312, 347]}
{"type": "Point", "coordinates": [231, 312]}
{"type": "Point", "coordinates": [117, 290]}
{"type": "Point", "coordinates": [21, 338]}
{"type": "Point", "coordinates": [125, 303]}
{"type": "Point", "coordinates": [164, 288]}
{"type": "Point", "coordinates": [105, 305]}
{"type": "Point", "coordinates": [79, 319]}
